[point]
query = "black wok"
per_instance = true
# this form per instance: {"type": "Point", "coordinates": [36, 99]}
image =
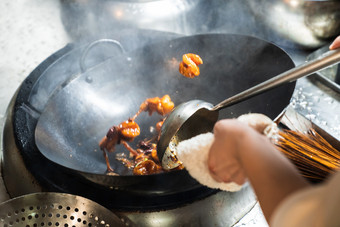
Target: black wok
{"type": "Point", "coordinates": [79, 114]}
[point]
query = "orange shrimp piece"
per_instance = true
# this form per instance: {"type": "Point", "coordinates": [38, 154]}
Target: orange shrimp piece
{"type": "Point", "coordinates": [129, 130]}
{"type": "Point", "coordinates": [159, 125]}
{"type": "Point", "coordinates": [125, 131]}
{"type": "Point", "coordinates": [154, 155]}
{"type": "Point", "coordinates": [189, 66]}
{"type": "Point", "coordinates": [162, 105]}
{"type": "Point", "coordinates": [151, 105]}
{"type": "Point", "coordinates": [166, 105]}
{"type": "Point", "coordinates": [146, 167]}
{"type": "Point", "coordinates": [109, 141]}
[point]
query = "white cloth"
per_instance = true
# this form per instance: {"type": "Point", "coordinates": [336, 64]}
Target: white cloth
{"type": "Point", "coordinates": [194, 155]}
{"type": "Point", "coordinates": [311, 207]}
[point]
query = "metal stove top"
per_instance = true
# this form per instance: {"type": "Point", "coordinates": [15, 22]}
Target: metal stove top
{"type": "Point", "coordinates": [317, 97]}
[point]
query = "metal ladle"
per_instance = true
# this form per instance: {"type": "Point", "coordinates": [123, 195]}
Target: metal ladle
{"type": "Point", "coordinates": [196, 116]}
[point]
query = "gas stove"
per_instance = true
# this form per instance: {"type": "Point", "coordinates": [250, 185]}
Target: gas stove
{"type": "Point", "coordinates": [314, 97]}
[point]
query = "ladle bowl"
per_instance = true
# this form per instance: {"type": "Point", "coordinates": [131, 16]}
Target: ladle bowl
{"type": "Point", "coordinates": [185, 121]}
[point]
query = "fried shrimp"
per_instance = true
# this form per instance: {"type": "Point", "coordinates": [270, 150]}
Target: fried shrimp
{"type": "Point", "coordinates": [189, 66]}
{"type": "Point", "coordinates": [162, 106]}
{"type": "Point", "coordinates": [123, 133]}
{"type": "Point", "coordinates": [145, 159]}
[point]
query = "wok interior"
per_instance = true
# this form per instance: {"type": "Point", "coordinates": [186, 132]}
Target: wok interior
{"type": "Point", "coordinates": [79, 115]}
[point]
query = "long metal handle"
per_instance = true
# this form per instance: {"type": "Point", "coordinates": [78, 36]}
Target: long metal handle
{"type": "Point", "coordinates": [327, 59]}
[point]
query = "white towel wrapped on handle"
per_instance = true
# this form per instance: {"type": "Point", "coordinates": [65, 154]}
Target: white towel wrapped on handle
{"type": "Point", "coordinates": [194, 151]}
{"type": "Point", "coordinates": [194, 155]}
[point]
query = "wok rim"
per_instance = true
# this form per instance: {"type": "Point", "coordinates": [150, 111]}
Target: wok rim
{"type": "Point", "coordinates": [88, 175]}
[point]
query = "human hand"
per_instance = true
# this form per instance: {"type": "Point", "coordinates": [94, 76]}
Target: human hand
{"type": "Point", "coordinates": [335, 44]}
{"type": "Point", "coordinates": [231, 138]}
{"type": "Point", "coordinates": [240, 153]}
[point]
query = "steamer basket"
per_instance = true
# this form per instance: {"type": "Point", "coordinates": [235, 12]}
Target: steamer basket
{"type": "Point", "coordinates": [55, 209]}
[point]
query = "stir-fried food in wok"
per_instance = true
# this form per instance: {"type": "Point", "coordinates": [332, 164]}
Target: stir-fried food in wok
{"type": "Point", "coordinates": [123, 133]}
{"type": "Point", "coordinates": [189, 66]}
{"type": "Point", "coordinates": [144, 159]}
{"type": "Point", "coordinates": [162, 106]}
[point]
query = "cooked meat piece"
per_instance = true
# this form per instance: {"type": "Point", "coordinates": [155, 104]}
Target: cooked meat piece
{"type": "Point", "coordinates": [162, 106]}
{"type": "Point", "coordinates": [159, 125]}
{"type": "Point", "coordinates": [129, 130]}
{"type": "Point", "coordinates": [189, 66]}
{"type": "Point", "coordinates": [125, 131]}
{"type": "Point", "coordinates": [146, 167]}
{"type": "Point", "coordinates": [166, 105]}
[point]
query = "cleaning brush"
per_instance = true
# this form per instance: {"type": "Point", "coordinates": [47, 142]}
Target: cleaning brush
{"type": "Point", "coordinates": [310, 152]}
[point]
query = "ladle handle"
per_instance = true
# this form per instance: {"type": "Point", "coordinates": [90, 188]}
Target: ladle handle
{"type": "Point", "coordinates": [327, 59]}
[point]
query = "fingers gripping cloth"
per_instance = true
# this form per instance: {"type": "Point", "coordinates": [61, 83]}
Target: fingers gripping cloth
{"type": "Point", "coordinates": [194, 151]}
{"type": "Point", "coordinates": [260, 123]}
{"type": "Point", "coordinates": [194, 155]}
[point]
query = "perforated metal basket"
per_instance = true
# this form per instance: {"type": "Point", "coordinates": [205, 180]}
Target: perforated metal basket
{"type": "Point", "coordinates": [55, 209]}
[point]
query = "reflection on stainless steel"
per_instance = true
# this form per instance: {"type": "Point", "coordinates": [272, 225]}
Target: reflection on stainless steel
{"type": "Point", "coordinates": [103, 17]}
{"type": "Point", "coordinates": [330, 75]}
{"type": "Point", "coordinates": [322, 17]}
{"type": "Point", "coordinates": [318, 103]}
{"type": "Point", "coordinates": [315, 99]}
{"type": "Point", "coordinates": [307, 23]}
{"type": "Point", "coordinates": [221, 209]}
